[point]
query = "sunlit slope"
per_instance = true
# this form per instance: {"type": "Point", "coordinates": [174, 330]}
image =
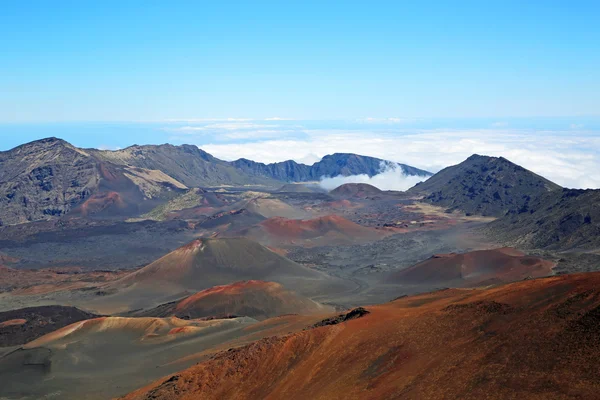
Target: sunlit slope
{"type": "Point", "coordinates": [536, 339]}
{"type": "Point", "coordinates": [256, 299]}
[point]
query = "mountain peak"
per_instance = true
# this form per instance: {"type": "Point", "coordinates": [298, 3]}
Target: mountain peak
{"type": "Point", "coordinates": [477, 157]}
{"type": "Point", "coordinates": [490, 186]}
{"type": "Point", "coordinates": [45, 142]}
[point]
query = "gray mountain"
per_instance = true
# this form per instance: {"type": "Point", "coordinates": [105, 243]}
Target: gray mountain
{"type": "Point", "coordinates": [187, 164]}
{"type": "Point", "coordinates": [490, 186]}
{"type": "Point", "coordinates": [560, 220]}
{"type": "Point", "coordinates": [49, 178]}
{"type": "Point", "coordinates": [43, 178]}
{"type": "Point", "coordinates": [345, 164]}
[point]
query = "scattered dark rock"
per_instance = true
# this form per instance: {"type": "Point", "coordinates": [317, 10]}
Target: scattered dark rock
{"type": "Point", "coordinates": [483, 307]}
{"type": "Point", "coordinates": [352, 314]}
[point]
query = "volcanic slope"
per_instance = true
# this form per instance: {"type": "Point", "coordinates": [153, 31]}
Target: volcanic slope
{"type": "Point", "coordinates": [186, 163]}
{"type": "Point", "coordinates": [535, 339]}
{"type": "Point", "coordinates": [321, 231]}
{"type": "Point", "coordinates": [191, 199]}
{"type": "Point", "coordinates": [273, 208]}
{"type": "Point", "coordinates": [360, 190]}
{"type": "Point", "coordinates": [226, 220]}
{"type": "Point", "coordinates": [476, 268]}
{"type": "Point", "coordinates": [26, 324]}
{"type": "Point", "coordinates": [204, 263]}
{"type": "Point", "coordinates": [106, 357]}
{"type": "Point", "coordinates": [255, 299]}
{"type": "Point", "coordinates": [489, 186]}
{"type": "Point", "coordinates": [562, 220]}
{"type": "Point", "coordinates": [50, 177]}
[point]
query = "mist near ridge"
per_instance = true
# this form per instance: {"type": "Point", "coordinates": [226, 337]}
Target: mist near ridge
{"type": "Point", "coordinates": [391, 177]}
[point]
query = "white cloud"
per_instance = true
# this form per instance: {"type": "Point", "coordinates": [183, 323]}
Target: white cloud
{"type": "Point", "coordinates": [227, 126]}
{"type": "Point", "coordinates": [107, 147]}
{"type": "Point", "coordinates": [232, 130]}
{"type": "Point", "coordinates": [205, 120]}
{"type": "Point", "coordinates": [390, 120]}
{"type": "Point", "coordinates": [308, 159]}
{"type": "Point", "coordinates": [392, 177]}
{"type": "Point", "coordinates": [257, 134]}
{"type": "Point", "coordinates": [571, 159]}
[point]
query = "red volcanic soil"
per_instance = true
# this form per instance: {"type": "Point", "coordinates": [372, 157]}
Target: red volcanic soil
{"type": "Point", "coordinates": [209, 262]}
{"type": "Point", "coordinates": [204, 263]}
{"type": "Point", "coordinates": [13, 322]}
{"type": "Point", "coordinates": [134, 329]}
{"type": "Point", "coordinates": [475, 268]}
{"type": "Point", "coordinates": [535, 339]}
{"type": "Point", "coordinates": [330, 229]}
{"type": "Point", "coordinates": [256, 299]}
{"type": "Point", "coordinates": [100, 202]}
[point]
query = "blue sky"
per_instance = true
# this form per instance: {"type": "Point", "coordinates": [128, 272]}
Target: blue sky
{"type": "Point", "coordinates": [426, 83]}
{"type": "Point", "coordinates": [156, 60]}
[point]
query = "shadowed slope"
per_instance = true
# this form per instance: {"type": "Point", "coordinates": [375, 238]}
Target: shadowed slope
{"type": "Point", "coordinates": [535, 339]}
{"type": "Point", "coordinates": [482, 267]}
{"type": "Point", "coordinates": [26, 324]}
{"type": "Point", "coordinates": [565, 219]}
{"type": "Point", "coordinates": [100, 358]}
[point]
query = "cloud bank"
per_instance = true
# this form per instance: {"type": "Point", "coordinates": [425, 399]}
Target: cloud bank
{"type": "Point", "coordinates": [566, 151]}
{"type": "Point", "coordinates": [567, 158]}
{"type": "Point", "coordinates": [392, 177]}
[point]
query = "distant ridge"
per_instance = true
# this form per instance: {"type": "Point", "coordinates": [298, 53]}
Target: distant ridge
{"type": "Point", "coordinates": [50, 178]}
{"type": "Point", "coordinates": [336, 164]}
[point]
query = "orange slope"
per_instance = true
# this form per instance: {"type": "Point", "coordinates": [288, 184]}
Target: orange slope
{"type": "Point", "coordinates": [254, 298]}
{"type": "Point", "coordinates": [535, 339]}
{"type": "Point", "coordinates": [326, 230]}
{"type": "Point", "coordinates": [474, 268]}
